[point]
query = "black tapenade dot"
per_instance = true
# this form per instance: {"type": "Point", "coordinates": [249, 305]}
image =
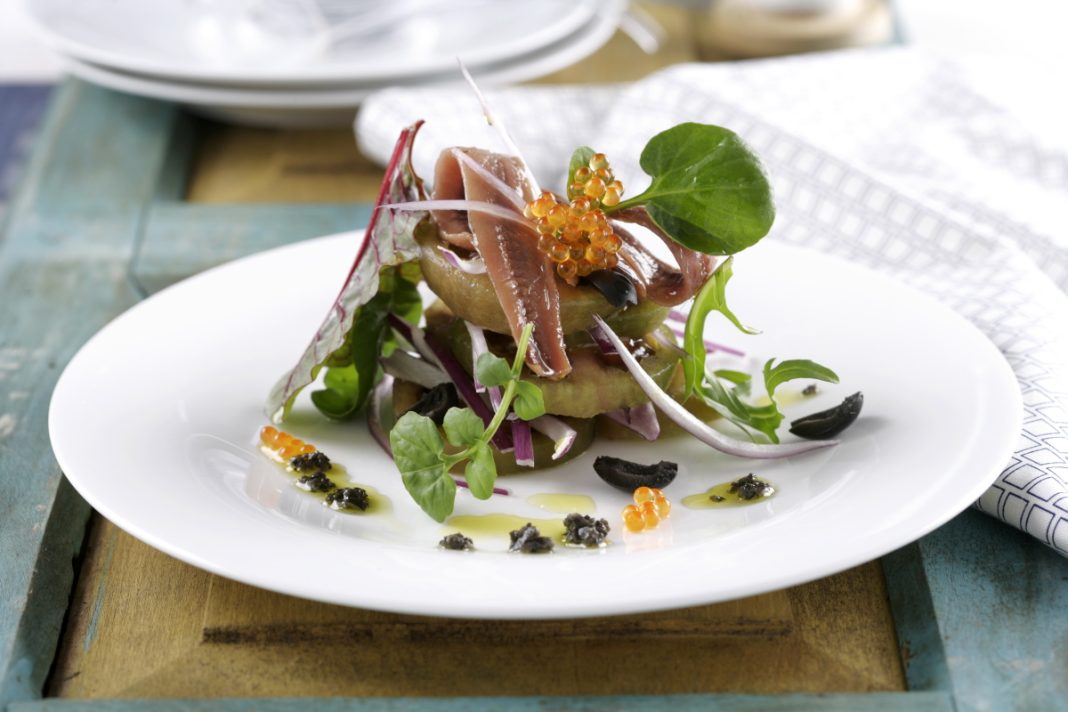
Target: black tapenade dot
{"type": "Point", "coordinates": [584, 530]}
{"type": "Point", "coordinates": [456, 542]}
{"type": "Point", "coordinates": [349, 498]}
{"type": "Point", "coordinates": [318, 482]}
{"type": "Point", "coordinates": [528, 540]}
{"type": "Point", "coordinates": [749, 487]}
{"type": "Point", "coordinates": [809, 390]}
{"type": "Point", "coordinates": [310, 462]}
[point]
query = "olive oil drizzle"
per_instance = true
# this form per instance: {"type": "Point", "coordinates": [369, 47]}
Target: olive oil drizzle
{"type": "Point", "coordinates": [726, 498]}
{"type": "Point", "coordinates": [378, 503]}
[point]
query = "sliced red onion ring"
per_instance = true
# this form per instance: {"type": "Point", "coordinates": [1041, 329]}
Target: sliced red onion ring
{"type": "Point", "coordinates": [523, 442]}
{"type": "Point", "coordinates": [475, 265]}
{"type": "Point", "coordinates": [694, 425]}
{"type": "Point", "coordinates": [477, 206]}
{"type": "Point", "coordinates": [502, 439]}
{"type": "Point", "coordinates": [521, 437]}
{"type": "Point", "coordinates": [407, 367]}
{"type": "Point", "coordinates": [380, 415]}
{"type": "Point", "coordinates": [562, 434]}
{"type": "Point", "coordinates": [507, 192]}
{"type": "Point", "coordinates": [641, 419]}
{"type": "Point", "coordinates": [497, 124]}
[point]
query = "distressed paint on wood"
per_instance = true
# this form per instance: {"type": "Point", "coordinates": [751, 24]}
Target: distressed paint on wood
{"type": "Point", "coordinates": [63, 261]}
{"type": "Point", "coordinates": [874, 702]}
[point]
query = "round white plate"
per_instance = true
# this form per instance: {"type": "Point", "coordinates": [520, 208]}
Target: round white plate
{"type": "Point", "coordinates": [183, 40]}
{"type": "Point", "coordinates": [155, 420]}
{"type": "Point", "coordinates": [334, 106]}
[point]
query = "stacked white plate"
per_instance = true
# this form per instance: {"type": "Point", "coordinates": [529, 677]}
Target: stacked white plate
{"type": "Point", "coordinates": [311, 62]}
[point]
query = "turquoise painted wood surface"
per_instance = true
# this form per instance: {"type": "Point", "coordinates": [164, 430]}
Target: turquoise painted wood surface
{"type": "Point", "coordinates": [981, 610]}
{"type": "Point", "coordinates": [884, 702]}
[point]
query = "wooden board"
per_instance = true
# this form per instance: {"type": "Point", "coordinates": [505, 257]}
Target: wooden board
{"type": "Point", "coordinates": [144, 625]}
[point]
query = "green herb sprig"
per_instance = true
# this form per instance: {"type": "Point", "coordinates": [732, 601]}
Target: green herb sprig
{"type": "Point", "coordinates": [708, 192]}
{"type": "Point", "coordinates": [726, 391]}
{"type": "Point", "coordinates": [419, 450]}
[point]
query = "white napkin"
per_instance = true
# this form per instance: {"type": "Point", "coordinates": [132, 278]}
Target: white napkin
{"type": "Point", "coordinates": [890, 158]}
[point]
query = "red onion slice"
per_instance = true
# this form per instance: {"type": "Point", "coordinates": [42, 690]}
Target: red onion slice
{"type": "Point", "coordinates": [477, 206]}
{"type": "Point", "coordinates": [523, 442]}
{"type": "Point", "coordinates": [521, 437]}
{"type": "Point", "coordinates": [694, 425]}
{"type": "Point", "coordinates": [562, 434]}
{"type": "Point", "coordinates": [380, 415]}
{"type": "Point", "coordinates": [641, 419]}
{"type": "Point", "coordinates": [401, 364]}
{"type": "Point", "coordinates": [475, 265]}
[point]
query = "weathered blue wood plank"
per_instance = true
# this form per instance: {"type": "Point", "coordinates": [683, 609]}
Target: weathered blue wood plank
{"type": "Point", "coordinates": [63, 262]}
{"type": "Point", "coordinates": [181, 239]}
{"type": "Point", "coordinates": [881, 701]}
{"type": "Point", "coordinates": [1001, 601]}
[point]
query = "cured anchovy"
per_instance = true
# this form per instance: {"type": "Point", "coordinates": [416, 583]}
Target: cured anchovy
{"type": "Point", "coordinates": [522, 276]}
{"type": "Point", "coordinates": [653, 278]}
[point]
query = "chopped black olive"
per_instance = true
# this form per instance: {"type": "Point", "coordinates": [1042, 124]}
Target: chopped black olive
{"type": "Point", "coordinates": [456, 542]}
{"type": "Point", "coordinates": [436, 402]}
{"type": "Point", "coordinates": [629, 476]}
{"type": "Point", "coordinates": [528, 540]}
{"type": "Point", "coordinates": [614, 285]}
{"type": "Point", "coordinates": [349, 498]}
{"type": "Point", "coordinates": [749, 487]}
{"type": "Point", "coordinates": [318, 482]}
{"type": "Point", "coordinates": [809, 390]}
{"type": "Point", "coordinates": [717, 498]}
{"type": "Point", "coordinates": [584, 530]}
{"type": "Point", "coordinates": [830, 422]}
{"type": "Point", "coordinates": [310, 462]}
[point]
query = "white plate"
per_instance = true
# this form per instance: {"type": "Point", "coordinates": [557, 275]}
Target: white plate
{"type": "Point", "coordinates": [335, 106]}
{"type": "Point", "coordinates": [154, 422]}
{"type": "Point", "coordinates": [176, 39]}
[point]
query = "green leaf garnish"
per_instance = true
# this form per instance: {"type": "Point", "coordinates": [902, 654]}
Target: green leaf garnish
{"type": "Point", "coordinates": [420, 452]}
{"type": "Point", "coordinates": [712, 297]}
{"type": "Point", "coordinates": [353, 368]}
{"type": "Point", "coordinates": [462, 427]}
{"type": "Point", "coordinates": [529, 402]}
{"type": "Point", "coordinates": [492, 370]}
{"type": "Point", "coordinates": [480, 471]}
{"type": "Point", "coordinates": [776, 375]}
{"type": "Point", "coordinates": [709, 191]}
{"type": "Point", "coordinates": [579, 159]}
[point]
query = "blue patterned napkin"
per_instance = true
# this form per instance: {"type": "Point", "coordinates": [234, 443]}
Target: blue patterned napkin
{"type": "Point", "coordinates": [890, 158]}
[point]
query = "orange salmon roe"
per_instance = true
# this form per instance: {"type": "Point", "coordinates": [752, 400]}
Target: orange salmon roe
{"type": "Point", "coordinates": [649, 509]}
{"type": "Point", "coordinates": [578, 237]}
{"type": "Point", "coordinates": [283, 444]}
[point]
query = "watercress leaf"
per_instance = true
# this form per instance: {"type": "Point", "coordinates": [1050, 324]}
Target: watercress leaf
{"type": "Point", "coordinates": [481, 472]}
{"type": "Point", "coordinates": [418, 451]}
{"type": "Point", "coordinates": [492, 370]}
{"type": "Point", "coordinates": [709, 191]}
{"type": "Point", "coordinates": [581, 157]}
{"type": "Point", "coordinates": [764, 419]}
{"type": "Point", "coordinates": [712, 297]}
{"type": "Point", "coordinates": [792, 369]}
{"type": "Point", "coordinates": [462, 427]}
{"type": "Point", "coordinates": [529, 402]}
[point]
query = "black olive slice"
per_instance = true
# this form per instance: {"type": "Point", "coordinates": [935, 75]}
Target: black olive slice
{"type": "Point", "coordinates": [830, 422]}
{"type": "Point", "coordinates": [436, 402]}
{"type": "Point", "coordinates": [629, 476]}
{"type": "Point", "coordinates": [615, 286]}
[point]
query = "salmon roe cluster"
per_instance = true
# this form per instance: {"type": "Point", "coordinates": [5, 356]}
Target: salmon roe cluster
{"type": "Point", "coordinates": [577, 237]}
{"type": "Point", "coordinates": [649, 508]}
{"type": "Point", "coordinates": [283, 444]}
